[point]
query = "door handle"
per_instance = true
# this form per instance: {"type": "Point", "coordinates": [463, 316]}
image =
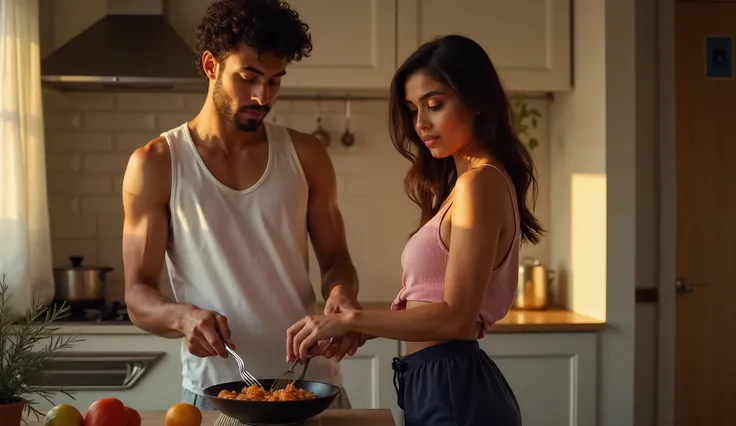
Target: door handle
{"type": "Point", "coordinates": [682, 287]}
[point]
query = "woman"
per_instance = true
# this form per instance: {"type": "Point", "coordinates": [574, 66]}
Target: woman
{"type": "Point", "coordinates": [470, 174]}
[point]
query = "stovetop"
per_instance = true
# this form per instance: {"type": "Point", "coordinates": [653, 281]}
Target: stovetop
{"type": "Point", "coordinates": [115, 313]}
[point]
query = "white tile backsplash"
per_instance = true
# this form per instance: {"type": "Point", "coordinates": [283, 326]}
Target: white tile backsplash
{"type": "Point", "coordinates": [89, 137]}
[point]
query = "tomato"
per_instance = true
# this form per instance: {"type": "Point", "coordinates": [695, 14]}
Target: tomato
{"type": "Point", "coordinates": [183, 414]}
{"type": "Point", "coordinates": [133, 417]}
{"type": "Point", "coordinates": [106, 412]}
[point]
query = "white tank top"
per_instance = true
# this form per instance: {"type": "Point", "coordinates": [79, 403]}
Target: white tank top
{"type": "Point", "coordinates": [243, 254]}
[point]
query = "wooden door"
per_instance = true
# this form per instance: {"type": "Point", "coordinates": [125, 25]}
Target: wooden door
{"type": "Point", "coordinates": [705, 372]}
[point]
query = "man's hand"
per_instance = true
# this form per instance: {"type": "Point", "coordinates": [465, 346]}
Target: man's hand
{"type": "Point", "coordinates": [337, 347]}
{"type": "Point", "coordinates": [205, 332]}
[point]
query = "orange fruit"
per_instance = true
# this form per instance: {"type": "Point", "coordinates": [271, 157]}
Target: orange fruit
{"type": "Point", "coordinates": [64, 415]}
{"type": "Point", "coordinates": [183, 414]}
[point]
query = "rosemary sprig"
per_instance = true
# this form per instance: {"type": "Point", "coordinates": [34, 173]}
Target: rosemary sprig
{"type": "Point", "coordinates": [27, 346]}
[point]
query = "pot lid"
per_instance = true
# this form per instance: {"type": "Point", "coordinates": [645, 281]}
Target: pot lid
{"type": "Point", "coordinates": [76, 264]}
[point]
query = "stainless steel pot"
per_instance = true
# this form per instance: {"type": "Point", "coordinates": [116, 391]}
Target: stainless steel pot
{"type": "Point", "coordinates": [81, 285]}
{"type": "Point", "coordinates": [534, 285]}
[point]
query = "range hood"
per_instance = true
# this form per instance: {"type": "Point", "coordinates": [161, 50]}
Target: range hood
{"type": "Point", "coordinates": [124, 51]}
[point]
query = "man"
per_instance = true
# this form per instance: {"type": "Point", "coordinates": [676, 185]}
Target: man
{"type": "Point", "coordinates": [228, 201]}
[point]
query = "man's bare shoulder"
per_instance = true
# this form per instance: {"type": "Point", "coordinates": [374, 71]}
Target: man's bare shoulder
{"type": "Point", "coordinates": [313, 156]}
{"type": "Point", "coordinates": [153, 156]}
{"type": "Point", "coordinates": [311, 151]}
{"type": "Point", "coordinates": [149, 169]}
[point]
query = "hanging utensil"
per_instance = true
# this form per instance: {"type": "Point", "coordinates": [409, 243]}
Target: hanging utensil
{"type": "Point", "coordinates": [319, 132]}
{"type": "Point", "coordinates": [348, 139]}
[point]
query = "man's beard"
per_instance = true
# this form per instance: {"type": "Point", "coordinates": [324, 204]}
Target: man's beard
{"type": "Point", "coordinates": [222, 104]}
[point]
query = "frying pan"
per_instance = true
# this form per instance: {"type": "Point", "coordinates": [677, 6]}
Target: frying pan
{"type": "Point", "coordinates": [262, 413]}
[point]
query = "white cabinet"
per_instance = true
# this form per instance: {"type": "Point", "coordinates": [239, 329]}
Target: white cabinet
{"type": "Point", "coordinates": [354, 45]}
{"type": "Point", "coordinates": [527, 40]}
{"type": "Point", "coordinates": [552, 374]}
{"type": "Point", "coordinates": [358, 44]}
{"type": "Point", "coordinates": [368, 376]}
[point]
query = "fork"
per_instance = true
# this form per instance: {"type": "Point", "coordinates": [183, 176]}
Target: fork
{"type": "Point", "coordinates": [248, 378]}
{"type": "Point", "coordinates": [288, 376]}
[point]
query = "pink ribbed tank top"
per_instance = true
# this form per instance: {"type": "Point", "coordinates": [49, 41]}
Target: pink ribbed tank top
{"type": "Point", "coordinates": [424, 262]}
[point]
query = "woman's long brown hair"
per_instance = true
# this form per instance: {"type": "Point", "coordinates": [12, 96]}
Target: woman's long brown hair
{"type": "Point", "coordinates": [462, 65]}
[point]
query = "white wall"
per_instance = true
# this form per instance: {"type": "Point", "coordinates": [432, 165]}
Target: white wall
{"type": "Point", "coordinates": [622, 169]}
{"type": "Point", "coordinates": [578, 159]}
{"type": "Point", "coordinates": [601, 142]}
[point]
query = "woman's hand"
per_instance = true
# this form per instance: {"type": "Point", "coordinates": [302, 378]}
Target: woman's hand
{"type": "Point", "coordinates": [348, 344]}
{"type": "Point", "coordinates": [312, 329]}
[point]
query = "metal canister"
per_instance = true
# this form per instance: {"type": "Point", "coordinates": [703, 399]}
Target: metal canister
{"type": "Point", "coordinates": [534, 285]}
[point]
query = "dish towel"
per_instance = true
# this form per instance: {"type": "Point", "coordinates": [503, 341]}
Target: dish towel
{"type": "Point", "coordinates": [224, 420]}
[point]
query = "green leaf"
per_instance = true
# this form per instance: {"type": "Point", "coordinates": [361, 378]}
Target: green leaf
{"type": "Point", "coordinates": [521, 113]}
{"type": "Point", "coordinates": [26, 348]}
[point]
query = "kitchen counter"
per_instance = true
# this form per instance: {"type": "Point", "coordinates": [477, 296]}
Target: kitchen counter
{"type": "Point", "coordinates": [377, 417]}
{"type": "Point", "coordinates": [549, 320]}
{"type": "Point", "coordinates": [517, 321]}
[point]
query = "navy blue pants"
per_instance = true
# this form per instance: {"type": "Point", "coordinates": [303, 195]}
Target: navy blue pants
{"type": "Point", "coordinates": [454, 384]}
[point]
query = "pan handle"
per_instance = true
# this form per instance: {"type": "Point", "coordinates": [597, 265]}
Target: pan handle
{"type": "Point", "coordinates": [304, 370]}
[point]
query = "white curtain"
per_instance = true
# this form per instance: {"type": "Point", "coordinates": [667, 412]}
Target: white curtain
{"type": "Point", "coordinates": [25, 246]}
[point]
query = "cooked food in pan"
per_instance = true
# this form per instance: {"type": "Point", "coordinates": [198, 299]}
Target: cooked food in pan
{"type": "Point", "coordinates": [257, 393]}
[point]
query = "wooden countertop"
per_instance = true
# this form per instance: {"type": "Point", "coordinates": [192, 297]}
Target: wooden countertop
{"type": "Point", "coordinates": [519, 321]}
{"type": "Point", "coordinates": [549, 320]}
{"type": "Point", "coordinates": [376, 417]}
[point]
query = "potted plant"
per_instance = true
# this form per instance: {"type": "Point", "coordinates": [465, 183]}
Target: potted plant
{"type": "Point", "coordinates": [525, 117]}
{"type": "Point", "coordinates": [26, 347]}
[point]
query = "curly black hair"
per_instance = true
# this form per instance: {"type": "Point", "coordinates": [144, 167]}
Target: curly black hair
{"type": "Point", "coordinates": [270, 26]}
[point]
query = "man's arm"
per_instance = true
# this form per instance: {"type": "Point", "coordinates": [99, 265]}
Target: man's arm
{"type": "Point", "coordinates": [146, 190]}
{"type": "Point", "coordinates": [325, 222]}
{"type": "Point", "coordinates": [146, 187]}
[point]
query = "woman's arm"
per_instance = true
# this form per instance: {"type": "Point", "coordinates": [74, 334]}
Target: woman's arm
{"type": "Point", "coordinates": [481, 206]}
